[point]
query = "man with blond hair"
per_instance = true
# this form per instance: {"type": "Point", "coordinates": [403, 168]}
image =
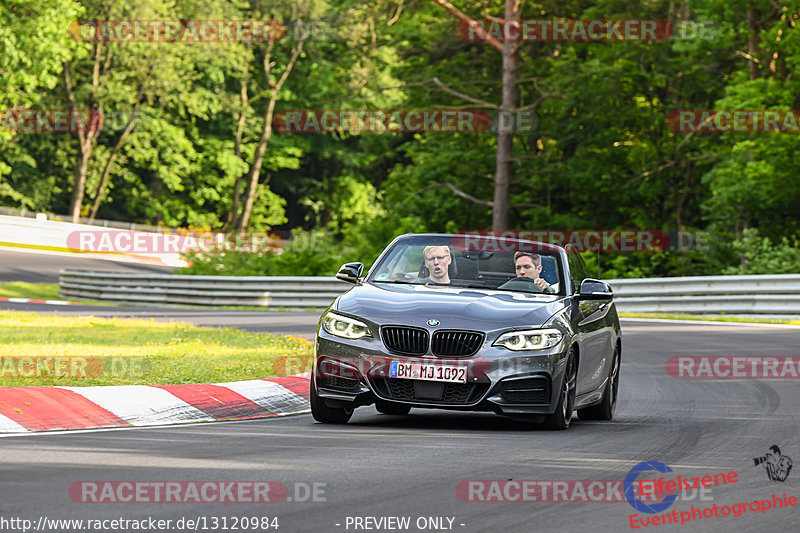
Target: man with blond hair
{"type": "Point", "coordinates": [437, 259]}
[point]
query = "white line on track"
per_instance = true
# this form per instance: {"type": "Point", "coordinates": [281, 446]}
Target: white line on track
{"type": "Point", "coordinates": [708, 322]}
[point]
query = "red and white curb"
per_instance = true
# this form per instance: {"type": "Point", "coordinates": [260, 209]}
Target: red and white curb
{"type": "Point", "coordinates": [26, 409]}
{"type": "Point", "coordinates": [34, 301]}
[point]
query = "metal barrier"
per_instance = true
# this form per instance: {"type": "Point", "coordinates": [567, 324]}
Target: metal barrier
{"type": "Point", "coordinates": [259, 291]}
{"type": "Point", "coordinates": [768, 294]}
{"type": "Point", "coordinates": [773, 294]}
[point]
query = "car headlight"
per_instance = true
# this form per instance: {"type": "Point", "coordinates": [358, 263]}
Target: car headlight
{"type": "Point", "coordinates": [531, 339]}
{"type": "Point", "coordinates": [342, 326]}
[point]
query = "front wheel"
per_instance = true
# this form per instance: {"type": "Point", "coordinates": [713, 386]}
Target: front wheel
{"type": "Point", "coordinates": [323, 413]}
{"type": "Point", "coordinates": [561, 418]}
{"type": "Point", "coordinates": [605, 409]}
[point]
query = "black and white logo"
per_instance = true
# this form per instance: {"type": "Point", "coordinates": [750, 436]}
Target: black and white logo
{"type": "Point", "coordinates": [777, 466]}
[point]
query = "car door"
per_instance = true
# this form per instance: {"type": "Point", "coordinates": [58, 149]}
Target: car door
{"type": "Point", "coordinates": [595, 333]}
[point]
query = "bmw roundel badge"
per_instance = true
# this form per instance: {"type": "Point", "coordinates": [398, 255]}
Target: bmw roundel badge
{"type": "Point", "coordinates": [433, 322]}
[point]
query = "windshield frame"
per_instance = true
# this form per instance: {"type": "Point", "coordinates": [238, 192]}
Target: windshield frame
{"type": "Point", "coordinates": [505, 244]}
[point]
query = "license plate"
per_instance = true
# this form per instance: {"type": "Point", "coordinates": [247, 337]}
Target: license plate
{"type": "Point", "coordinates": [428, 372]}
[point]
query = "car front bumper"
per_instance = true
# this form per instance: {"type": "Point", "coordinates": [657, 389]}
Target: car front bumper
{"type": "Point", "coordinates": [352, 373]}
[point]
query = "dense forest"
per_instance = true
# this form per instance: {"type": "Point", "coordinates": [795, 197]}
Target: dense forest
{"type": "Point", "coordinates": [194, 131]}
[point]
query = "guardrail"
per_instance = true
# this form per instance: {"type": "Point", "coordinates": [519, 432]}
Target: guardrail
{"type": "Point", "coordinates": [768, 294]}
{"type": "Point", "coordinates": [773, 294]}
{"type": "Point", "coordinates": [258, 291]}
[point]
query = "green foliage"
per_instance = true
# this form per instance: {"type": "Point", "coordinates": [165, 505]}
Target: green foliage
{"type": "Point", "coordinates": [762, 256]}
{"type": "Point", "coordinates": [306, 254]}
{"type": "Point", "coordinates": [309, 253]}
{"type": "Point", "coordinates": [600, 156]}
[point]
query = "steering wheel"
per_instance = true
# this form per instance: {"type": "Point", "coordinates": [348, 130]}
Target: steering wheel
{"type": "Point", "coordinates": [521, 284]}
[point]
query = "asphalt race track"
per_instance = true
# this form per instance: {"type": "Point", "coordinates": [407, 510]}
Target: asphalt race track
{"type": "Point", "coordinates": [383, 466]}
{"type": "Point", "coordinates": [17, 266]}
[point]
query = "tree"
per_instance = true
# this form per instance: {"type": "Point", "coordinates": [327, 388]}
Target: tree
{"type": "Point", "coordinates": [34, 44]}
{"type": "Point", "coordinates": [274, 82]}
{"type": "Point", "coordinates": [509, 50]}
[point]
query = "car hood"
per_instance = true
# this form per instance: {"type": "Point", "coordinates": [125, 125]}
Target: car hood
{"type": "Point", "coordinates": [453, 307]}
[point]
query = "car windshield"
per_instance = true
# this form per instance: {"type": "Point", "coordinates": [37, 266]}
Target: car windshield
{"type": "Point", "coordinates": [458, 262]}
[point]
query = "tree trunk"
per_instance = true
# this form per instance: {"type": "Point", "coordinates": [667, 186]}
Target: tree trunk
{"type": "Point", "coordinates": [98, 198]}
{"type": "Point", "coordinates": [233, 214]}
{"type": "Point", "coordinates": [752, 42]}
{"type": "Point", "coordinates": [266, 132]}
{"type": "Point", "coordinates": [258, 161]}
{"type": "Point", "coordinates": [505, 133]}
{"type": "Point", "coordinates": [79, 182]}
{"type": "Point", "coordinates": [86, 139]}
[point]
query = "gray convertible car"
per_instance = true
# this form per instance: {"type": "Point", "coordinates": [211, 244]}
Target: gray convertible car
{"type": "Point", "coordinates": [471, 323]}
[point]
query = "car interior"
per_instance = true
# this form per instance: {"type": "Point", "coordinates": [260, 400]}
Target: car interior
{"type": "Point", "coordinates": [465, 266]}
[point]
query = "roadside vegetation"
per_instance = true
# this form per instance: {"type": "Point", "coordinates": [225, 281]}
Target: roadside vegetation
{"type": "Point", "coordinates": [192, 137]}
{"type": "Point", "coordinates": [80, 351]}
{"type": "Point", "coordinates": [35, 291]}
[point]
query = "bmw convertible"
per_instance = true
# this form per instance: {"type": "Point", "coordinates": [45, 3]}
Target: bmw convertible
{"type": "Point", "coordinates": [470, 323]}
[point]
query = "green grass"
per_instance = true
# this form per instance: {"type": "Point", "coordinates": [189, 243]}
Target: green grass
{"type": "Point", "coordinates": [113, 351]}
{"type": "Point", "coordinates": [37, 291]}
{"type": "Point", "coordinates": [40, 291]}
{"type": "Point", "coordinates": [713, 318]}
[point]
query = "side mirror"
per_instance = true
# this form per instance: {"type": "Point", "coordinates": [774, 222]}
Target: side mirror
{"type": "Point", "coordinates": [350, 272]}
{"type": "Point", "coordinates": [594, 289]}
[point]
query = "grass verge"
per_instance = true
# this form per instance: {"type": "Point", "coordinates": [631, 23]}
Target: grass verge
{"type": "Point", "coordinates": [712, 318]}
{"type": "Point", "coordinates": [81, 351]}
{"type": "Point", "coordinates": [36, 291]}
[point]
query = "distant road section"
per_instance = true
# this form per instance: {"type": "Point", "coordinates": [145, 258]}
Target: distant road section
{"type": "Point", "coordinates": [297, 323]}
{"type": "Point", "coordinates": [43, 267]}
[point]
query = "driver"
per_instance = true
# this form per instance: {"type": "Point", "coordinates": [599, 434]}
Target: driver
{"type": "Point", "coordinates": [437, 259]}
{"type": "Point", "coordinates": [529, 265]}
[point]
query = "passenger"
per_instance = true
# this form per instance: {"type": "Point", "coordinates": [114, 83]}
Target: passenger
{"type": "Point", "coordinates": [529, 265]}
{"type": "Point", "coordinates": [437, 259]}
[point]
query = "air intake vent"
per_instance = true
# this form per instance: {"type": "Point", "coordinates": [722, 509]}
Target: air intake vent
{"type": "Point", "coordinates": [449, 343]}
{"type": "Point", "coordinates": [533, 391]}
{"type": "Point", "coordinates": [405, 340]}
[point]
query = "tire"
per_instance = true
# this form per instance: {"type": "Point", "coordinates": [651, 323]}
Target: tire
{"type": "Point", "coordinates": [323, 413]}
{"type": "Point", "coordinates": [561, 418]}
{"type": "Point", "coordinates": [387, 408]}
{"type": "Point", "coordinates": [605, 409]}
